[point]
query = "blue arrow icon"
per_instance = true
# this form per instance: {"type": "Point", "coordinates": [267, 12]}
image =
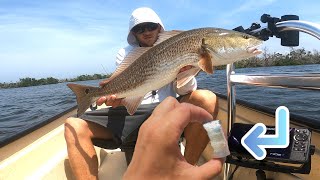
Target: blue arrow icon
{"type": "Point", "coordinates": [255, 140]}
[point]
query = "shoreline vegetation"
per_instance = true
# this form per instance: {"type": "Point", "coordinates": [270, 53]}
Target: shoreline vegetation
{"type": "Point", "coordinates": [294, 57]}
{"type": "Point", "coordinates": [26, 82]}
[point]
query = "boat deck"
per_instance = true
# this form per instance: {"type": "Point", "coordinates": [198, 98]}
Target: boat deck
{"type": "Point", "coordinates": [42, 154]}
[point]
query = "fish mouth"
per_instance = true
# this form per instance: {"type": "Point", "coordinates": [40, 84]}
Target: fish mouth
{"type": "Point", "coordinates": [254, 50]}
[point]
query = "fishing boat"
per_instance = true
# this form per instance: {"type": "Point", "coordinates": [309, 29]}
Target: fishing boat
{"type": "Point", "coordinates": [42, 152]}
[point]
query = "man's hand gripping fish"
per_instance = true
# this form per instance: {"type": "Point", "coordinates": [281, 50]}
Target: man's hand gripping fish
{"type": "Point", "coordinates": [150, 68]}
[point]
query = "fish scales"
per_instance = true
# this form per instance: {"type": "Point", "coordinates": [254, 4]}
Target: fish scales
{"type": "Point", "coordinates": [164, 56]}
{"type": "Point", "coordinates": [158, 66]}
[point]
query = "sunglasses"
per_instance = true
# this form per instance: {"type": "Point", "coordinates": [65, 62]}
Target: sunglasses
{"type": "Point", "coordinates": [139, 29]}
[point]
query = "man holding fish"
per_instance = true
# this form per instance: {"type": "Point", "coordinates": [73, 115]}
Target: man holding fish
{"type": "Point", "coordinates": [157, 64]}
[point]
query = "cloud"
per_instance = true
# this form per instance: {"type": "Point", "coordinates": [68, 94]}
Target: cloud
{"type": "Point", "coordinates": [78, 36]}
{"type": "Point", "coordinates": [43, 38]}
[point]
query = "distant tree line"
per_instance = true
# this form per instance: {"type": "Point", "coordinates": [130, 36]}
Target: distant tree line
{"type": "Point", "coordinates": [294, 57]}
{"type": "Point", "coordinates": [25, 82]}
{"type": "Point", "coordinates": [88, 77]}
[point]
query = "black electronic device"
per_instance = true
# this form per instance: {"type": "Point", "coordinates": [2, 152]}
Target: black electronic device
{"type": "Point", "coordinates": [296, 158]}
{"type": "Point", "coordinates": [298, 150]}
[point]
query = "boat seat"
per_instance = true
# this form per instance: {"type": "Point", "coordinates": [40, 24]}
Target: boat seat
{"type": "Point", "coordinates": [127, 146]}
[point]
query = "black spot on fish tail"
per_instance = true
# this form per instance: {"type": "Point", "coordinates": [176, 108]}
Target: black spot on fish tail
{"type": "Point", "coordinates": [84, 96]}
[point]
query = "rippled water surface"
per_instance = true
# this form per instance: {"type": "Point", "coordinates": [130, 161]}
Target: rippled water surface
{"type": "Point", "coordinates": [22, 108]}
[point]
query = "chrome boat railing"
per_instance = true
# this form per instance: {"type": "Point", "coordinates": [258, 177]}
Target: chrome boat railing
{"type": "Point", "coordinates": [288, 80]}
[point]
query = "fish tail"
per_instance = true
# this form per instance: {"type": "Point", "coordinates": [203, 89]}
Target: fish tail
{"type": "Point", "coordinates": [84, 96]}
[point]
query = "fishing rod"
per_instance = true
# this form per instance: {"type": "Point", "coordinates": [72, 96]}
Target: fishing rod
{"type": "Point", "coordinates": [288, 38]}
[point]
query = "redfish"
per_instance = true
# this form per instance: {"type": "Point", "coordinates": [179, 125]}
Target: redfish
{"type": "Point", "coordinates": [150, 68]}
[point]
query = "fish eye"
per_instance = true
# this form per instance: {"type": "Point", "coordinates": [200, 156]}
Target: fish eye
{"type": "Point", "coordinates": [87, 91]}
{"type": "Point", "coordinates": [203, 41]}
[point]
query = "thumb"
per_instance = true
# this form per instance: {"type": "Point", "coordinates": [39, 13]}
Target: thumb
{"type": "Point", "coordinates": [211, 169]}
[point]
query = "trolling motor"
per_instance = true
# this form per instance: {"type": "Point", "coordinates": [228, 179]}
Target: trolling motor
{"type": "Point", "coordinates": [288, 38]}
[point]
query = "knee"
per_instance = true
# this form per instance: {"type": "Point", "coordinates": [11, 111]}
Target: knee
{"type": "Point", "coordinates": [75, 128]}
{"type": "Point", "coordinates": [205, 99]}
{"type": "Point", "coordinates": [205, 96]}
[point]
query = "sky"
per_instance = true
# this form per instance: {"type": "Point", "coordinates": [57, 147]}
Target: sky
{"type": "Point", "coordinates": [67, 38]}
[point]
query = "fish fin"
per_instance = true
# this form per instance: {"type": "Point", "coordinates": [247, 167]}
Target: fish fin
{"type": "Point", "coordinates": [166, 35]}
{"type": "Point", "coordinates": [84, 96]}
{"type": "Point", "coordinates": [132, 103]}
{"type": "Point", "coordinates": [137, 52]}
{"type": "Point", "coordinates": [130, 58]}
{"type": "Point", "coordinates": [184, 77]}
{"type": "Point", "coordinates": [127, 61]}
{"type": "Point", "coordinates": [205, 62]}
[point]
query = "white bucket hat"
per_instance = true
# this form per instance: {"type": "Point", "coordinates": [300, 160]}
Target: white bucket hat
{"type": "Point", "coordinates": [142, 15]}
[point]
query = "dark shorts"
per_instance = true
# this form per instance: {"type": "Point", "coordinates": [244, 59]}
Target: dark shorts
{"type": "Point", "coordinates": [124, 127]}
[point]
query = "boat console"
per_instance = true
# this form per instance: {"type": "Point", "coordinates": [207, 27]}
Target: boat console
{"type": "Point", "coordinates": [296, 158]}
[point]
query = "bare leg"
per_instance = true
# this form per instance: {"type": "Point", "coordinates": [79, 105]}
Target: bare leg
{"type": "Point", "coordinates": [82, 156]}
{"type": "Point", "coordinates": [196, 136]}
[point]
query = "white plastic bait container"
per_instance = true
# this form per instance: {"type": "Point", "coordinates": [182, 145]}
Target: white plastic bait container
{"type": "Point", "coordinates": [217, 138]}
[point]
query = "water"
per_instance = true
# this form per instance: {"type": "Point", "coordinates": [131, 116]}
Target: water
{"type": "Point", "coordinates": [23, 108]}
{"type": "Point", "coordinates": [301, 102]}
